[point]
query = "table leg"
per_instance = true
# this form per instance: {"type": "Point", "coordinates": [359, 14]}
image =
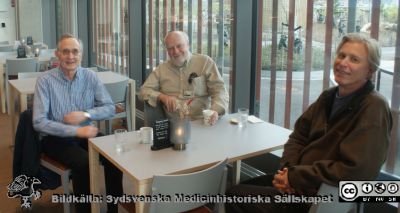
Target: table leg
{"type": "Point", "coordinates": [141, 189]}
{"type": "Point", "coordinates": [236, 172]}
{"type": "Point", "coordinates": [94, 168]}
{"type": "Point", "coordinates": [132, 97]}
{"type": "Point", "coordinates": [11, 110]}
{"type": "Point", "coordinates": [2, 88]}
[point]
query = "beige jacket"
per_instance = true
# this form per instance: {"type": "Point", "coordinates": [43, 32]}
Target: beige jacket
{"type": "Point", "coordinates": [207, 90]}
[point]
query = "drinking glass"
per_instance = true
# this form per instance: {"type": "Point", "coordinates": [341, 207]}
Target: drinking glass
{"type": "Point", "coordinates": [243, 114]}
{"type": "Point", "coordinates": [120, 139]}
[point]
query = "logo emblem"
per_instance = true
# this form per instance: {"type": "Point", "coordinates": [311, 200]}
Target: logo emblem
{"type": "Point", "coordinates": [380, 188]}
{"type": "Point", "coordinates": [348, 191]}
{"type": "Point", "coordinates": [23, 186]}
{"type": "Point", "coordinates": [392, 188]}
{"type": "Point", "coordinates": [367, 188]}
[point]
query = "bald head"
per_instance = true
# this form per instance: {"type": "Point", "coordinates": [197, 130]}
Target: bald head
{"type": "Point", "coordinates": [177, 45]}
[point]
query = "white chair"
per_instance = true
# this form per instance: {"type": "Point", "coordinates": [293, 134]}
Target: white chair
{"type": "Point", "coordinates": [47, 53]}
{"type": "Point", "coordinates": [335, 205]}
{"type": "Point", "coordinates": [6, 48]}
{"type": "Point", "coordinates": [207, 182]}
{"type": "Point", "coordinates": [15, 66]}
{"type": "Point", "coordinates": [119, 92]}
{"type": "Point", "coordinates": [22, 75]}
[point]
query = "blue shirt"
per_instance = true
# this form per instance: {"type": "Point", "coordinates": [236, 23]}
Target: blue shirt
{"type": "Point", "coordinates": [56, 96]}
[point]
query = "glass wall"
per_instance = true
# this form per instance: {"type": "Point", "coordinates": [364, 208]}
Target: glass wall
{"type": "Point", "coordinates": [207, 22]}
{"type": "Point", "coordinates": [295, 46]}
{"type": "Point", "coordinates": [110, 35]}
{"type": "Point", "coordinates": [299, 39]}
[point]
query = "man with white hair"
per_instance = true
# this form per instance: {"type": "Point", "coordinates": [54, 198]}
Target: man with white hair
{"type": "Point", "coordinates": [186, 78]}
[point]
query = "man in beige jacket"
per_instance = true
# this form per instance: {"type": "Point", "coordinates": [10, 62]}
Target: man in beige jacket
{"type": "Point", "coordinates": [186, 78]}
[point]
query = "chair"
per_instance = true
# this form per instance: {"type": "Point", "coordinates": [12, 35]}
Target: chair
{"type": "Point", "coordinates": [47, 52]}
{"type": "Point", "coordinates": [95, 69]}
{"type": "Point", "coordinates": [27, 149]}
{"type": "Point", "coordinates": [119, 92]}
{"type": "Point", "coordinates": [39, 45]}
{"type": "Point", "coordinates": [64, 173]}
{"type": "Point", "coordinates": [6, 48]}
{"type": "Point", "coordinates": [151, 114]}
{"type": "Point", "coordinates": [210, 181]}
{"type": "Point", "coordinates": [22, 75]}
{"type": "Point", "coordinates": [15, 66]}
{"type": "Point", "coordinates": [335, 205]}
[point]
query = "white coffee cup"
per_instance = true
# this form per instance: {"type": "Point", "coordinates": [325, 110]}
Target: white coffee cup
{"type": "Point", "coordinates": [207, 116]}
{"type": "Point", "coordinates": [146, 134]}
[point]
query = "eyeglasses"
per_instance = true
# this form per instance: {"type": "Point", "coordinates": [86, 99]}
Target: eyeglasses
{"type": "Point", "coordinates": [74, 52]}
{"type": "Point", "coordinates": [191, 77]}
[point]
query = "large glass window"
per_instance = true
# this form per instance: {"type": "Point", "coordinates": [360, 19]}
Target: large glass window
{"type": "Point", "coordinates": [299, 39]}
{"type": "Point", "coordinates": [110, 35]}
{"type": "Point", "coordinates": [207, 22]}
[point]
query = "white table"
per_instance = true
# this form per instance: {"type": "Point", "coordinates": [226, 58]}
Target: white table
{"type": "Point", "coordinates": [208, 145]}
{"type": "Point", "coordinates": [21, 88]}
{"type": "Point", "coordinates": [3, 81]}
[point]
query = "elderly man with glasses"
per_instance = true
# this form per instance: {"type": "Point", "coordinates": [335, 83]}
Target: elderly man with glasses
{"type": "Point", "coordinates": [66, 99]}
{"type": "Point", "coordinates": [186, 78]}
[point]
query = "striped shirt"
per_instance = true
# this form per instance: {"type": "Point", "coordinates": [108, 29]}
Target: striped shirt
{"type": "Point", "coordinates": [56, 96]}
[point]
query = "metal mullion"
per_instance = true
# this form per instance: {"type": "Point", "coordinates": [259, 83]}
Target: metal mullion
{"type": "Point", "coordinates": [233, 70]}
{"type": "Point", "coordinates": [328, 44]}
{"type": "Point", "coordinates": [165, 27]}
{"type": "Point", "coordinates": [173, 15]}
{"type": "Point", "coordinates": [110, 34]}
{"type": "Point", "coordinates": [199, 26]}
{"type": "Point", "coordinates": [150, 35]}
{"type": "Point", "coordinates": [108, 50]}
{"type": "Point", "coordinates": [95, 31]}
{"type": "Point", "coordinates": [181, 15]}
{"type": "Point", "coordinates": [123, 49]}
{"type": "Point", "coordinates": [209, 31]}
{"type": "Point", "coordinates": [100, 34]}
{"type": "Point", "coordinates": [274, 45]}
{"type": "Point", "coordinates": [395, 104]}
{"type": "Point", "coordinates": [220, 26]}
{"type": "Point", "coordinates": [104, 34]}
{"type": "Point", "coordinates": [190, 23]}
{"type": "Point", "coordinates": [157, 26]}
{"type": "Point", "coordinates": [259, 55]}
{"type": "Point", "coordinates": [289, 67]}
{"type": "Point", "coordinates": [376, 10]}
{"type": "Point", "coordinates": [308, 55]}
{"type": "Point", "coordinates": [112, 49]}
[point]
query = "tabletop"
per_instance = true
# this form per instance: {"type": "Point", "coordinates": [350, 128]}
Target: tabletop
{"type": "Point", "coordinates": [208, 145]}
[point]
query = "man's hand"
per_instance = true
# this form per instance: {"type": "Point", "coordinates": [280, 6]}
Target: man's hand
{"type": "Point", "coordinates": [213, 118]}
{"type": "Point", "coordinates": [168, 101]}
{"type": "Point", "coordinates": [87, 132]}
{"type": "Point", "coordinates": [281, 182]}
{"type": "Point", "coordinates": [74, 118]}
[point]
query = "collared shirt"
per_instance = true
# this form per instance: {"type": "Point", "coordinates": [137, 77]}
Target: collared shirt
{"type": "Point", "coordinates": [206, 89]}
{"type": "Point", "coordinates": [56, 96]}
